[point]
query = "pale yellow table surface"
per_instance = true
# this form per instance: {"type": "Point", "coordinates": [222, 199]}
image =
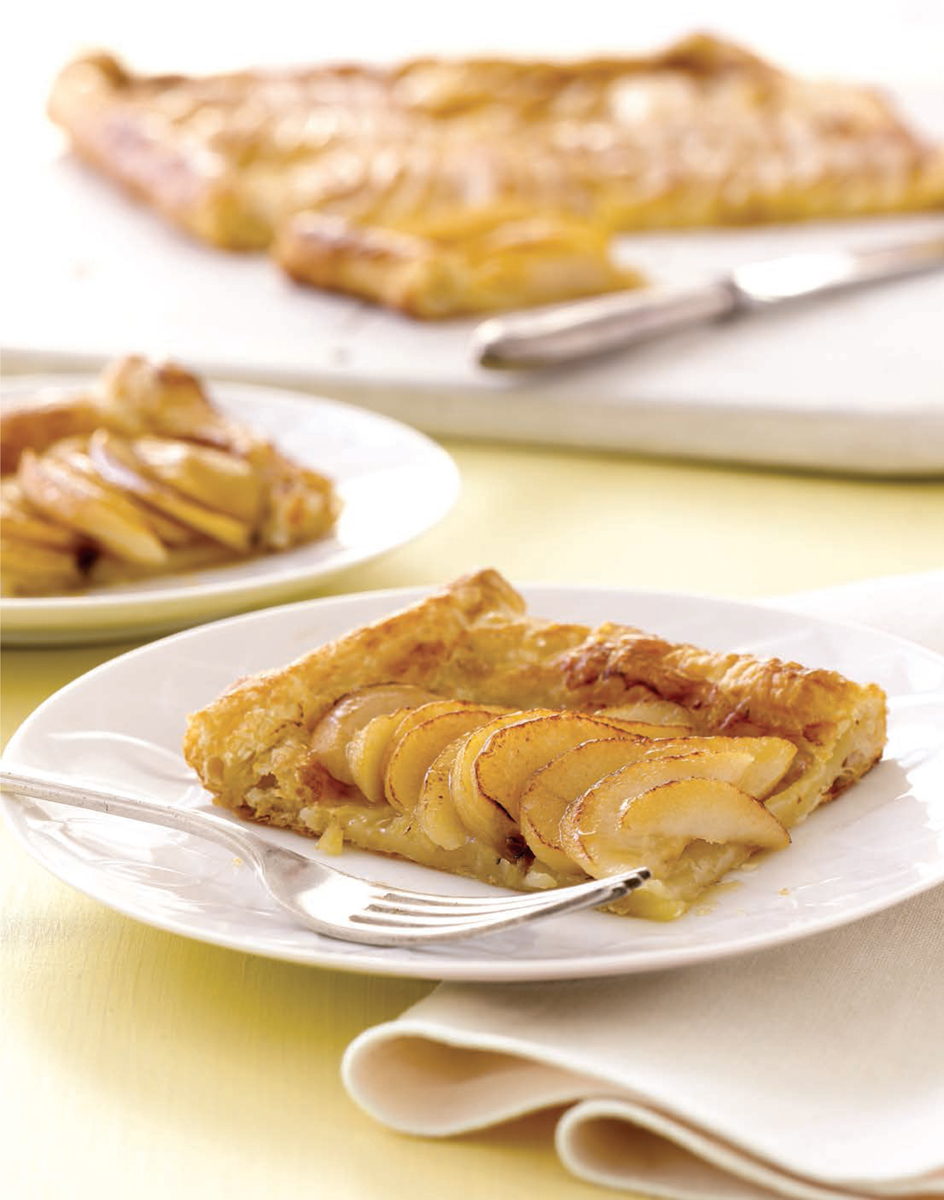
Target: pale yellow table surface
{"type": "Point", "coordinates": [140, 1065]}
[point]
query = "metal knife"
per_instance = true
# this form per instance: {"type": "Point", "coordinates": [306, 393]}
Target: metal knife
{"type": "Point", "coordinates": [543, 337]}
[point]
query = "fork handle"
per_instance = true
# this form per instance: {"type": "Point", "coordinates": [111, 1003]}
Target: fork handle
{"type": "Point", "coordinates": [60, 791]}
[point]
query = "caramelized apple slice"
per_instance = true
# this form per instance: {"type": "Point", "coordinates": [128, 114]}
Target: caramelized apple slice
{"type": "Point", "coordinates": [655, 711]}
{"type": "Point", "coordinates": [116, 462]}
{"type": "Point", "coordinates": [553, 787]}
{"type": "Point", "coordinates": [69, 498]}
{"type": "Point", "coordinates": [23, 525]}
{"type": "Point", "coordinates": [686, 799]}
{"type": "Point", "coordinates": [435, 811]}
{"type": "Point", "coordinates": [170, 532]}
{"type": "Point", "coordinates": [417, 743]}
{"type": "Point", "coordinates": [434, 708]}
{"type": "Point", "coordinates": [370, 750]}
{"type": "Point", "coordinates": [666, 819]}
{"type": "Point", "coordinates": [484, 817]}
{"type": "Point", "coordinates": [351, 713]}
{"type": "Point", "coordinates": [770, 757]}
{"type": "Point", "coordinates": [31, 567]}
{"type": "Point", "coordinates": [593, 819]}
{"type": "Point", "coordinates": [367, 752]}
{"type": "Point", "coordinates": [512, 754]}
{"type": "Point", "coordinates": [212, 477]}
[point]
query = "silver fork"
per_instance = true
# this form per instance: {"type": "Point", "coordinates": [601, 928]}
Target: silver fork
{"type": "Point", "coordinates": [328, 900]}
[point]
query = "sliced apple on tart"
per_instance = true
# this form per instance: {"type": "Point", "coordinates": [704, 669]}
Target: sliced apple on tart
{"type": "Point", "coordinates": [338, 728]}
{"type": "Point", "coordinates": [435, 813]}
{"type": "Point", "coordinates": [554, 787]}
{"type": "Point", "coordinates": [484, 817]}
{"type": "Point", "coordinates": [57, 491]}
{"type": "Point", "coordinates": [214, 478]}
{"type": "Point", "coordinates": [510, 755]}
{"type": "Point", "coordinates": [651, 810]}
{"type": "Point", "coordinates": [420, 740]}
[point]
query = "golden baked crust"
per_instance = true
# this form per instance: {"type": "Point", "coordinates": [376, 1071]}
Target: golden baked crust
{"type": "Point", "coordinates": [703, 133]}
{"type": "Point", "coordinates": [473, 642]}
{"type": "Point", "coordinates": [515, 265]}
{"type": "Point", "coordinates": [142, 475]}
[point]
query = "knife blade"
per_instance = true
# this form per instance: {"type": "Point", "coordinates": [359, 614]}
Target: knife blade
{"type": "Point", "coordinates": [560, 333]}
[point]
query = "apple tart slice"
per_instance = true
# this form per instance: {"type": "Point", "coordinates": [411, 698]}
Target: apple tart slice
{"type": "Point", "coordinates": [464, 734]}
{"type": "Point", "coordinates": [541, 258]}
{"type": "Point", "coordinates": [143, 475]}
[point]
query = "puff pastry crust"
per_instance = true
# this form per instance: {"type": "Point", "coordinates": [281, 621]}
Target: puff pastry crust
{"type": "Point", "coordinates": [537, 260]}
{"type": "Point", "coordinates": [142, 475]}
{"type": "Point", "coordinates": [260, 747]}
{"type": "Point", "coordinates": [703, 133]}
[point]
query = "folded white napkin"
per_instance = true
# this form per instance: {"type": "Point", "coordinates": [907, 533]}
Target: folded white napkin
{"type": "Point", "coordinates": [815, 1070]}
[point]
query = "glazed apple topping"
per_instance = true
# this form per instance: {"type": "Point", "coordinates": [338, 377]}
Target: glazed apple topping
{"type": "Point", "coordinates": [583, 793]}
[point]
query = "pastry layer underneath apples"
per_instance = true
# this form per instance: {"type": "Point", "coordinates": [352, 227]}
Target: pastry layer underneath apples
{"type": "Point", "coordinates": [465, 735]}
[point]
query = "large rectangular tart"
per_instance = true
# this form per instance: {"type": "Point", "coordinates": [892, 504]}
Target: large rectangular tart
{"type": "Point", "coordinates": [464, 734]}
{"type": "Point", "coordinates": [450, 186]}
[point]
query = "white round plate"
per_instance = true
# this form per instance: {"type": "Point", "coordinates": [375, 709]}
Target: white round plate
{"type": "Point", "coordinates": [395, 484]}
{"type": "Point", "coordinates": [120, 726]}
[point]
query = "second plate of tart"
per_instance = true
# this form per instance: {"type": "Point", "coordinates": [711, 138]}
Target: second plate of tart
{"type": "Point", "coordinates": [145, 500]}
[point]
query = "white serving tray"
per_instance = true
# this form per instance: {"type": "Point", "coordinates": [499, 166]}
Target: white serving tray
{"type": "Point", "coordinates": [853, 383]}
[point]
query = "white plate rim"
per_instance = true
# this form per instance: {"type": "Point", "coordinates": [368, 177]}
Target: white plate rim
{"type": "Point", "coordinates": [97, 615]}
{"type": "Point", "coordinates": [423, 964]}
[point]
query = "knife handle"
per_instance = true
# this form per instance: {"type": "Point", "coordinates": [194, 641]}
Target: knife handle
{"type": "Point", "coordinates": [543, 337]}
